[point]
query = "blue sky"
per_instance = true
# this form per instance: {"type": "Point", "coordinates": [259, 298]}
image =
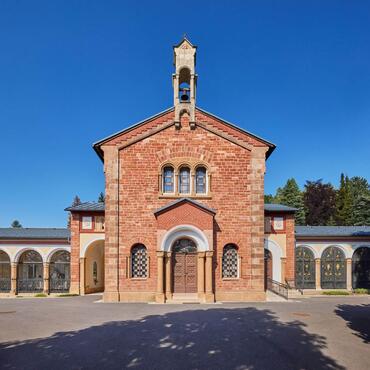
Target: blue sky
{"type": "Point", "coordinates": [296, 73]}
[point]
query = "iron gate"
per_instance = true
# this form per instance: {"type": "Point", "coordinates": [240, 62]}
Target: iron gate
{"type": "Point", "coordinates": [333, 269]}
{"type": "Point", "coordinates": [30, 273]}
{"type": "Point", "coordinates": [59, 273]}
{"type": "Point", "coordinates": [361, 268]}
{"type": "Point", "coordinates": [4, 272]}
{"type": "Point", "coordinates": [304, 268]}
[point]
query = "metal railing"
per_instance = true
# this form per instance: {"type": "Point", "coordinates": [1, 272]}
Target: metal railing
{"type": "Point", "coordinates": [4, 284]}
{"type": "Point", "coordinates": [30, 285]}
{"type": "Point", "coordinates": [277, 288]}
{"type": "Point", "coordinates": [59, 285]}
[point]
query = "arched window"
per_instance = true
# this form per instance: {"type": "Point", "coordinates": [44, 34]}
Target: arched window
{"type": "Point", "coordinates": [184, 180]}
{"type": "Point", "coordinates": [139, 262]}
{"type": "Point", "coordinates": [230, 262]}
{"type": "Point", "coordinates": [201, 180]}
{"type": "Point", "coordinates": [168, 179]}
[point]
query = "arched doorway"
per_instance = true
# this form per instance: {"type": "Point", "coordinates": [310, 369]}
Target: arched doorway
{"type": "Point", "coordinates": [30, 273]}
{"type": "Point", "coordinates": [333, 269]}
{"type": "Point", "coordinates": [361, 268]}
{"type": "Point", "coordinates": [268, 266]}
{"type": "Point", "coordinates": [60, 272]}
{"type": "Point", "coordinates": [184, 266]}
{"type": "Point", "coordinates": [4, 272]}
{"type": "Point", "coordinates": [94, 267]}
{"type": "Point", "coordinates": [304, 268]}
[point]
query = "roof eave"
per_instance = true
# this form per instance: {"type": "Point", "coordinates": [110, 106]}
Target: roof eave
{"type": "Point", "coordinates": [97, 145]}
{"type": "Point", "coordinates": [271, 146]}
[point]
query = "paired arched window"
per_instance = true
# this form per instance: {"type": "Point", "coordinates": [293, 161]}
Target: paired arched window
{"type": "Point", "coordinates": [230, 262]}
{"type": "Point", "coordinates": [139, 262]}
{"type": "Point", "coordinates": [185, 180]}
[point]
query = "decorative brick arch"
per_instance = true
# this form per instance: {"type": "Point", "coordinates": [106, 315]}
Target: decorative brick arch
{"type": "Point", "coordinates": [185, 231]}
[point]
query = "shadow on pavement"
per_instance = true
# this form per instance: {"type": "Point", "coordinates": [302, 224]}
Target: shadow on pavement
{"type": "Point", "coordinates": [240, 338]}
{"type": "Point", "coordinates": [357, 318]}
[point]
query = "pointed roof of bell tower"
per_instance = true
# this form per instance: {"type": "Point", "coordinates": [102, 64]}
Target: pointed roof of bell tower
{"type": "Point", "coordinates": [185, 40]}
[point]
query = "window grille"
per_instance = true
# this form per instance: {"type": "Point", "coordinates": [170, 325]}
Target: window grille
{"type": "Point", "coordinates": [139, 262]}
{"type": "Point", "coordinates": [230, 262]}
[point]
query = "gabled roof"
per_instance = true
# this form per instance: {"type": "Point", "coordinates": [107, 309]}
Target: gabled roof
{"type": "Point", "coordinates": [87, 206]}
{"type": "Point", "coordinates": [34, 233]}
{"type": "Point", "coordinates": [332, 231]}
{"type": "Point", "coordinates": [227, 123]}
{"type": "Point", "coordinates": [273, 207]}
{"type": "Point", "coordinates": [97, 145]}
{"type": "Point", "coordinates": [184, 200]}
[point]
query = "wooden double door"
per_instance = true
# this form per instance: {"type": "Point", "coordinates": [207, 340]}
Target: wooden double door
{"type": "Point", "coordinates": [184, 264]}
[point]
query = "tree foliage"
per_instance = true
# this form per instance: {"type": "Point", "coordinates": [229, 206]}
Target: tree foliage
{"type": "Point", "coordinates": [16, 224]}
{"type": "Point", "coordinates": [319, 201]}
{"type": "Point", "coordinates": [290, 195]}
{"type": "Point", "coordinates": [321, 204]}
{"type": "Point", "coordinates": [76, 201]}
{"type": "Point", "coordinates": [101, 198]}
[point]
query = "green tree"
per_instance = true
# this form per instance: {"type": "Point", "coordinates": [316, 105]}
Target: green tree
{"type": "Point", "coordinates": [101, 198]}
{"type": "Point", "coordinates": [361, 211]}
{"type": "Point", "coordinates": [319, 202]}
{"type": "Point", "coordinates": [360, 190]}
{"type": "Point", "coordinates": [344, 202]}
{"type": "Point", "coordinates": [16, 224]}
{"type": "Point", "coordinates": [269, 198]}
{"type": "Point", "coordinates": [290, 195]}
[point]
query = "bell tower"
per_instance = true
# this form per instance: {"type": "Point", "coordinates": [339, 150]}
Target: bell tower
{"type": "Point", "coordinates": [184, 81]}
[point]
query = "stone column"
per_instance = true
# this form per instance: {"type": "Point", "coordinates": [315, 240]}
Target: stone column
{"type": "Point", "coordinates": [168, 275]}
{"type": "Point", "coordinates": [46, 278]}
{"type": "Point", "coordinates": [82, 275]}
{"type": "Point", "coordinates": [159, 297]}
{"type": "Point", "coordinates": [13, 278]}
{"type": "Point", "coordinates": [201, 288]}
{"type": "Point", "coordinates": [209, 283]}
{"type": "Point", "coordinates": [349, 273]}
{"type": "Point", "coordinates": [318, 273]}
{"type": "Point", "coordinates": [283, 269]}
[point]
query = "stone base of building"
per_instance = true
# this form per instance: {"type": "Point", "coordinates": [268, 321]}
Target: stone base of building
{"type": "Point", "coordinates": [137, 297]}
{"type": "Point", "coordinates": [74, 288]}
{"type": "Point", "coordinates": [243, 296]}
{"type": "Point", "coordinates": [111, 297]}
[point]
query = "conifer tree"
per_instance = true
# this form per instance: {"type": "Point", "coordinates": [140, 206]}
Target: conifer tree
{"type": "Point", "coordinates": [361, 211]}
{"type": "Point", "coordinates": [290, 195]}
{"type": "Point", "coordinates": [101, 198]}
{"type": "Point", "coordinates": [76, 201]}
{"type": "Point", "coordinates": [344, 202]}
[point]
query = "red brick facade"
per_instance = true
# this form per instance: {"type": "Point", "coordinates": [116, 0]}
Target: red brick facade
{"type": "Point", "coordinates": [236, 163]}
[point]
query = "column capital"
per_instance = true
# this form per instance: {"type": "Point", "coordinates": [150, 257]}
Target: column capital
{"type": "Point", "coordinates": [160, 254]}
{"type": "Point", "coordinates": [349, 259]}
{"type": "Point", "coordinates": [201, 254]}
{"type": "Point", "coordinates": [209, 254]}
{"type": "Point", "coordinates": [317, 259]}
